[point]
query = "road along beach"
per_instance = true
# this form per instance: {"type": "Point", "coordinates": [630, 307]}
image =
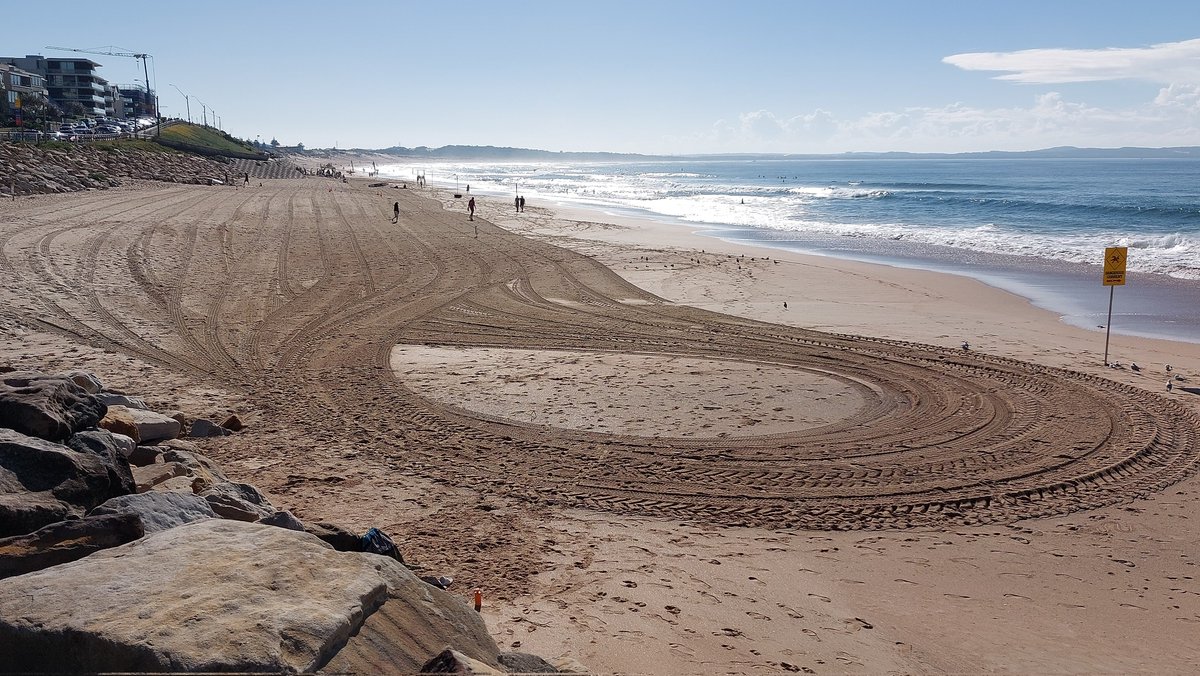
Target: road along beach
{"type": "Point", "coordinates": [621, 433]}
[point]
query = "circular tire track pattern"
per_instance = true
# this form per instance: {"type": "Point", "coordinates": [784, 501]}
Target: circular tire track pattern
{"type": "Point", "coordinates": [300, 311]}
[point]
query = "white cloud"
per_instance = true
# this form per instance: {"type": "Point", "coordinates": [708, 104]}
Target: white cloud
{"type": "Point", "coordinates": [1169, 62]}
{"type": "Point", "coordinates": [1048, 120]}
{"type": "Point", "coordinates": [1179, 95]}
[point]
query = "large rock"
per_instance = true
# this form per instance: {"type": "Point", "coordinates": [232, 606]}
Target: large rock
{"type": "Point", "coordinates": [241, 502]}
{"type": "Point", "coordinates": [159, 511]}
{"type": "Point", "coordinates": [149, 476]}
{"type": "Point", "coordinates": [107, 447]}
{"type": "Point", "coordinates": [150, 426]}
{"type": "Point", "coordinates": [46, 407]}
{"type": "Point", "coordinates": [207, 473]}
{"type": "Point", "coordinates": [118, 420]}
{"type": "Point", "coordinates": [43, 482]}
{"type": "Point", "coordinates": [66, 541]}
{"type": "Point", "coordinates": [221, 595]}
{"type": "Point", "coordinates": [206, 428]}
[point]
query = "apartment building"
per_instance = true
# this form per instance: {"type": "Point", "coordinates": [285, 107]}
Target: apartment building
{"type": "Point", "coordinates": [16, 83]}
{"type": "Point", "coordinates": [69, 81]}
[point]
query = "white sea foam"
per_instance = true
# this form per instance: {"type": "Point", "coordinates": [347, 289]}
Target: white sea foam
{"type": "Point", "coordinates": [711, 200]}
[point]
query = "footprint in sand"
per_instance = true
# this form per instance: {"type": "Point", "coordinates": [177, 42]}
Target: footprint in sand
{"type": "Point", "coordinates": [758, 616]}
{"type": "Point", "coordinates": [820, 597]}
{"type": "Point", "coordinates": [810, 632]}
{"type": "Point", "coordinates": [672, 609]}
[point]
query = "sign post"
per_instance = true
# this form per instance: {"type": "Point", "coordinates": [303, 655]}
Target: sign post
{"type": "Point", "coordinates": [1114, 276]}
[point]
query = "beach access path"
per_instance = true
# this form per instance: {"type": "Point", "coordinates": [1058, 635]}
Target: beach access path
{"type": "Point", "coordinates": [670, 465]}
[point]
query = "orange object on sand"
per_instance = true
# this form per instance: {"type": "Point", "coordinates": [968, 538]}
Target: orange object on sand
{"type": "Point", "coordinates": [478, 599]}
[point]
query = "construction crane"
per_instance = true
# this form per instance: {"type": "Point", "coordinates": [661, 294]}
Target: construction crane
{"type": "Point", "coordinates": [131, 55]}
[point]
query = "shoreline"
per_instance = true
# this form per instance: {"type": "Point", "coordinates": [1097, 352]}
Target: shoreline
{"type": "Point", "coordinates": [1149, 306]}
{"type": "Point", "coordinates": [987, 316]}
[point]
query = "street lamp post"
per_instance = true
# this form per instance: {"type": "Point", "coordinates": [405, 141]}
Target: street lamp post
{"type": "Point", "coordinates": [186, 103]}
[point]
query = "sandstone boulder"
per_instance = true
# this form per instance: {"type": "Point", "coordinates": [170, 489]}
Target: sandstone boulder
{"type": "Point", "coordinates": [220, 595]}
{"type": "Point", "coordinates": [47, 407]}
{"type": "Point", "coordinates": [159, 511]}
{"type": "Point", "coordinates": [233, 423]}
{"type": "Point", "coordinates": [43, 482]}
{"type": "Point", "coordinates": [66, 541]}
{"type": "Point", "coordinates": [241, 502]}
{"type": "Point", "coordinates": [104, 445]}
{"type": "Point", "coordinates": [206, 428]}
{"type": "Point", "coordinates": [149, 476]}
{"type": "Point", "coordinates": [150, 426]}
{"type": "Point", "coordinates": [118, 420]}
{"type": "Point", "coordinates": [207, 472]}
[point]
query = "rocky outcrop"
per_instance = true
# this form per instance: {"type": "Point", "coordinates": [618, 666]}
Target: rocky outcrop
{"type": "Point", "coordinates": [66, 541]}
{"type": "Point", "coordinates": [35, 169]}
{"type": "Point", "coordinates": [43, 482]}
{"type": "Point", "coordinates": [221, 595]}
{"type": "Point", "coordinates": [97, 577]}
{"type": "Point", "coordinates": [45, 406]}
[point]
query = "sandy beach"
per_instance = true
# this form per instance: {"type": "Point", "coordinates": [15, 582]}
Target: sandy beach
{"type": "Point", "coordinates": [654, 451]}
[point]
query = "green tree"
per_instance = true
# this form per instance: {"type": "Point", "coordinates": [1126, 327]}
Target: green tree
{"type": "Point", "coordinates": [36, 109]}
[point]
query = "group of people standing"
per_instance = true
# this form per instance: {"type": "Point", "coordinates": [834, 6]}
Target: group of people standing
{"type": "Point", "coordinates": [519, 202]}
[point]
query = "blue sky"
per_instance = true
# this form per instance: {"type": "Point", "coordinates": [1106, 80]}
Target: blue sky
{"type": "Point", "coordinates": [661, 77]}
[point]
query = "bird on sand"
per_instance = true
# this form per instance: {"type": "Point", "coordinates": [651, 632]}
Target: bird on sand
{"type": "Point", "coordinates": [1169, 386]}
{"type": "Point", "coordinates": [966, 345]}
{"type": "Point", "coordinates": [1168, 368]}
{"type": "Point", "coordinates": [1135, 367]}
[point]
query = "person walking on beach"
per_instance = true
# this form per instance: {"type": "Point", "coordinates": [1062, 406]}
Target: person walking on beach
{"type": "Point", "coordinates": [517, 203]}
{"type": "Point", "coordinates": [471, 208]}
{"type": "Point", "coordinates": [521, 203]}
{"type": "Point", "coordinates": [396, 212]}
{"type": "Point", "coordinates": [247, 181]}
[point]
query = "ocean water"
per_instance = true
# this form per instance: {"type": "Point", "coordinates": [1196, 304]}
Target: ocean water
{"type": "Point", "coordinates": [1037, 227]}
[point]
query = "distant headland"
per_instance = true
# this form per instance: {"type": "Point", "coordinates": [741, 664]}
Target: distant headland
{"type": "Point", "coordinates": [506, 154]}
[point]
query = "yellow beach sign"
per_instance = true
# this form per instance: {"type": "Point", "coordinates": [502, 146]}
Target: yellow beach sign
{"type": "Point", "coordinates": [1114, 265]}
